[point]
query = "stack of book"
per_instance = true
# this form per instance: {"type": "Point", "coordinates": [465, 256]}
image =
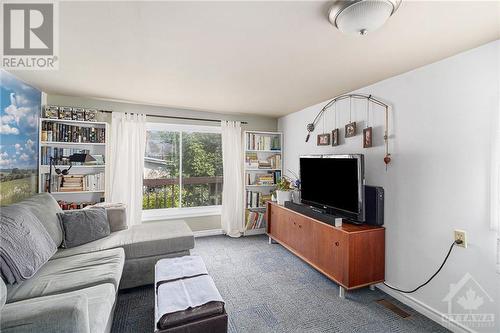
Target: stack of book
{"type": "Point", "coordinates": [265, 179]}
{"type": "Point", "coordinates": [263, 142]}
{"type": "Point", "coordinates": [57, 132]}
{"type": "Point", "coordinates": [71, 183]}
{"type": "Point", "coordinates": [76, 183]}
{"type": "Point", "coordinates": [255, 220]}
{"type": "Point", "coordinates": [251, 160]}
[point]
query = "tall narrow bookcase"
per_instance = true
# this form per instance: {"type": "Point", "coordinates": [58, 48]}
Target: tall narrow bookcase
{"type": "Point", "coordinates": [63, 137]}
{"type": "Point", "coordinates": [262, 169]}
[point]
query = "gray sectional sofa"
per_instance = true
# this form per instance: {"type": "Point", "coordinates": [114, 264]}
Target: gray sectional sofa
{"type": "Point", "coordinates": [75, 291]}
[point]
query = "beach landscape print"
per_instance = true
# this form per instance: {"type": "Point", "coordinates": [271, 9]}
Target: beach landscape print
{"type": "Point", "coordinates": [19, 118]}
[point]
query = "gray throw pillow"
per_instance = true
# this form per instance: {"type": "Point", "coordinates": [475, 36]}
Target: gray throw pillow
{"type": "Point", "coordinates": [83, 226]}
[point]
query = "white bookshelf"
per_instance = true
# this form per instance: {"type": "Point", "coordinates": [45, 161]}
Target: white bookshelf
{"type": "Point", "coordinates": [94, 148]}
{"type": "Point", "coordinates": [264, 146]}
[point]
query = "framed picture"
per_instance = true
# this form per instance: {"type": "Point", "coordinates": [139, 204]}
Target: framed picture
{"type": "Point", "coordinates": [367, 137]}
{"type": "Point", "coordinates": [65, 112]}
{"type": "Point", "coordinates": [323, 139]}
{"type": "Point", "coordinates": [350, 130]}
{"type": "Point", "coordinates": [91, 115]}
{"type": "Point", "coordinates": [51, 112]}
{"type": "Point", "coordinates": [335, 137]}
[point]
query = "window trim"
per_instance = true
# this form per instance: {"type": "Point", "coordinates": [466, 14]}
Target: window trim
{"type": "Point", "coordinates": [181, 212]}
{"type": "Point", "coordinates": [149, 215]}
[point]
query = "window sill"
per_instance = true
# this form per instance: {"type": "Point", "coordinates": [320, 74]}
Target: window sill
{"type": "Point", "coordinates": [179, 213]}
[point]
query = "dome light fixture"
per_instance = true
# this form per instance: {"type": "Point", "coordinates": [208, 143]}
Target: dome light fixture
{"type": "Point", "coordinates": [361, 16]}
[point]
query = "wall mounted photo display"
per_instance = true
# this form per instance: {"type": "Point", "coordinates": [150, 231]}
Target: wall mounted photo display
{"type": "Point", "coordinates": [335, 137]}
{"type": "Point", "coordinates": [350, 129]}
{"type": "Point", "coordinates": [323, 139]}
{"type": "Point", "coordinates": [65, 112]}
{"type": "Point", "coordinates": [367, 137]}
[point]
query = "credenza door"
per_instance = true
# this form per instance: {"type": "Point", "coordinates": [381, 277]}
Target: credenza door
{"type": "Point", "coordinates": [331, 251]}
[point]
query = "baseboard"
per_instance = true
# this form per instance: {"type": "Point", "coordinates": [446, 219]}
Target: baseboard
{"type": "Point", "coordinates": [206, 233]}
{"type": "Point", "coordinates": [426, 310]}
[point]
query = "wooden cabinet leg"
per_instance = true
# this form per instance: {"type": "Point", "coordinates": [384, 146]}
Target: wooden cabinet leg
{"type": "Point", "coordinates": [271, 241]}
{"type": "Point", "coordinates": [342, 292]}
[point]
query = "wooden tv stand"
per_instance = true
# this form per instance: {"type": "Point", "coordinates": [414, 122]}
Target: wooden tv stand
{"type": "Point", "coordinates": [351, 255]}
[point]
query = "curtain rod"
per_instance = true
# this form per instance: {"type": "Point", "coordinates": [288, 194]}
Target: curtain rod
{"type": "Point", "coordinates": [181, 118]}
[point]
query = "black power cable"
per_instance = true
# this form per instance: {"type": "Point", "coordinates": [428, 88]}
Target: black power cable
{"type": "Point", "coordinates": [433, 275]}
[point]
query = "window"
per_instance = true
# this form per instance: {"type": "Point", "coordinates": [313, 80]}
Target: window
{"type": "Point", "coordinates": [182, 169]}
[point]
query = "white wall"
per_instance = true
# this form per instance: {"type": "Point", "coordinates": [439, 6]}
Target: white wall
{"type": "Point", "coordinates": [440, 139]}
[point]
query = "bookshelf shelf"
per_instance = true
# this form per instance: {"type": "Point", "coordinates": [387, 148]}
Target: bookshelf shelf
{"type": "Point", "coordinates": [77, 192]}
{"type": "Point", "coordinates": [58, 143]}
{"type": "Point", "coordinates": [85, 183]}
{"type": "Point", "coordinates": [263, 159]}
{"type": "Point", "coordinates": [75, 122]}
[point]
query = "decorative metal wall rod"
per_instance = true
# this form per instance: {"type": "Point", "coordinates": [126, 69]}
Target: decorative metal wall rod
{"type": "Point", "coordinates": [370, 98]}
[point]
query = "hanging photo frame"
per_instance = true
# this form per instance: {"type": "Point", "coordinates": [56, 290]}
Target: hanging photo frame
{"type": "Point", "coordinates": [323, 139]}
{"type": "Point", "coordinates": [367, 138]}
{"type": "Point", "coordinates": [335, 137]}
{"type": "Point", "coordinates": [350, 130]}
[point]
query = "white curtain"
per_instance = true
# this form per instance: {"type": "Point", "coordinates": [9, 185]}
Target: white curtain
{"type": "Point", "coordinates": [495, 187]}
{"type": "Point", "coordinates": [232, 193]}
{"type": "Point", "coordinates": [127, 145]}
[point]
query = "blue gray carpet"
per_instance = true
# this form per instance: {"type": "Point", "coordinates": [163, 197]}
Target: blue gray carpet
{"type": "Point", "coordinates": [268, 289]}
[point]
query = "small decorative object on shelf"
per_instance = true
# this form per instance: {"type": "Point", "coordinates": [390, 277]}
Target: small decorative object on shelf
{"type": "Point", "coordinates": [74, 205]}
{"type": "Point", "coordinates": [66, 113]}
{"type": "Point", "coordinates": [283, 191]}
{"type": "Point", "coordinates": [91, 115]}
{"type": "Point", "coordinates": [79, 114]}
{"type": "Point", "coordinates": [51, 112]}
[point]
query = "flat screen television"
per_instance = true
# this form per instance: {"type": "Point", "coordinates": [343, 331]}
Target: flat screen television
{"type": "Point", "coordinates": [335, 184]}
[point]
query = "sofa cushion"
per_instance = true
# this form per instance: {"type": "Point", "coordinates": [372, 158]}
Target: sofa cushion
{"type": "Point", "coordinates": [46, 314]}
{"type": "Point", "coordinates": [144, 240]}
{"type": "Point", "coordinates": [3, 293]}
{"type": "Point", "coordinates": [19, 227]}
{"type": "Point", "coordinates": [45, 208]}
{"type": "Point", "coordinates": [71, 273]}
{"type": "Point", "coordinates": [83, 226]}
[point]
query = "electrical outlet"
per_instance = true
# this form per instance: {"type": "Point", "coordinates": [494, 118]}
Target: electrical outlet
{"type": "Point", "coordinates": [461, 235]}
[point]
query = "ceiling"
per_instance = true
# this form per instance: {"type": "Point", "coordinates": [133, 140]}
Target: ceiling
{"type": "Point", "coordinates": [267, 58]}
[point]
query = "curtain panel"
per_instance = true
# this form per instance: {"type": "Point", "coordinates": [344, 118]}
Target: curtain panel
{"type": "Point", "coordinates": [126, 163]}
{"type": "Point", "coordinates": [232, 192]}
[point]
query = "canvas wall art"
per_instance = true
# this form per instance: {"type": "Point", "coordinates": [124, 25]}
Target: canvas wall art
{"type": "Point", "coordinates": [19, 118]}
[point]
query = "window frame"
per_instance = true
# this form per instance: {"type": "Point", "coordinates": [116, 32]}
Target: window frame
{"type": "Point", "coordinates": [181, 212]}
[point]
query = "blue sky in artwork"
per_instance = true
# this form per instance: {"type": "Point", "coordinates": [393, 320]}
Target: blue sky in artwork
{"type": "Point", "coordinates": [19, 116]}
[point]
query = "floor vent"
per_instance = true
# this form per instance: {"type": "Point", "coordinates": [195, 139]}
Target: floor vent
{"type": "Point", "coordinates": [400, 312]}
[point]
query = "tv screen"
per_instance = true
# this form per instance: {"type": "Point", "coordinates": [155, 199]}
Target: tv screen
{"type": "Point", "coordinates": [334, 183]}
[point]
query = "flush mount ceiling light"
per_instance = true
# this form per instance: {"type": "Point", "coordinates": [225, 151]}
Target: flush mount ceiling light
{"type": "Point", "coordinates": [361, 16]}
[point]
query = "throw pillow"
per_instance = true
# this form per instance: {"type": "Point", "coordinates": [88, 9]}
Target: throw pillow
{"type": "Point", "coordinates": [83, 226]}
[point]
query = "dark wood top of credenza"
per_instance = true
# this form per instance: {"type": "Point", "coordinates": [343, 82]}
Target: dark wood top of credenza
{"type": "Point", "coordinates": [347, 227]}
